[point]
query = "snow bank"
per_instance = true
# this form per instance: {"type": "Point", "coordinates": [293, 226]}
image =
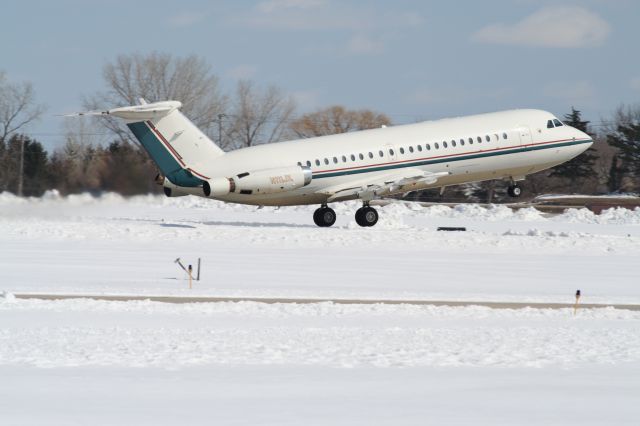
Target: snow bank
{"type": "Point", "coordinates": [391, 215]}
{"type": "Point", "coordinates": [615, 215]}
{"type": "Point", "coordinates": [6, 297]}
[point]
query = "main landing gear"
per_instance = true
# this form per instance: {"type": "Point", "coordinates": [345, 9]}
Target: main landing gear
{"type": "Point", "coordinates": [366, 215]}
{"type": "Point", "coordinates": [514, 190]}
{"type": "Point", "coordinates": [326, 216]}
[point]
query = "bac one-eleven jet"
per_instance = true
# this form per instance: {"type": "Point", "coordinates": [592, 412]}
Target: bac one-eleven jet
{"type": "Point", "coordinates": [360, 165]}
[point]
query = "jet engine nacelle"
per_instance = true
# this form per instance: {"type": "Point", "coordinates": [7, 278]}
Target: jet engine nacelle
{"type": "Point", "coordinates": [267, 181]}
{"type": "Point", "coordinates": [218, 187]}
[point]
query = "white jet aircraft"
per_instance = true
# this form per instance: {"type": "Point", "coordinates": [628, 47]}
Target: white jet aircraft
{"type": "Point", "coordinates": [360, 165]}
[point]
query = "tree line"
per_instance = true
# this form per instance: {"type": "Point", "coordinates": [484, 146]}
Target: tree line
{"type": "Point", "coordinates": [101, 154]}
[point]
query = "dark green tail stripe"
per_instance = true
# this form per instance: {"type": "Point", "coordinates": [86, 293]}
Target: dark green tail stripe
{"type": "Point", "coordinates": [162, 157]}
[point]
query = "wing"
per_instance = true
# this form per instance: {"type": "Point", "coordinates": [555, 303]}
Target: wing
{"type": "Point", "coordinates": [368, 189]}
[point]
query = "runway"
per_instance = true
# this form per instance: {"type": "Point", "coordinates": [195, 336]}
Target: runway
{"type": "Point", "coordinates": [272, 300]}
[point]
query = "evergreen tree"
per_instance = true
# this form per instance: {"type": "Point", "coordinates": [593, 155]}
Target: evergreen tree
{"type": "Point", "coordinates": [35, 172]}
{"type": "Point", "coordinates": [581, 166]}
{"type": "Point", "coordinates": [614, 180]}
{"type": "Point", "coordinates": [627, 140]}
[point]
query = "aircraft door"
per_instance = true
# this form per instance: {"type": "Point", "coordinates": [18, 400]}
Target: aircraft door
{"type": "Point", "coordinates": [525, 135]}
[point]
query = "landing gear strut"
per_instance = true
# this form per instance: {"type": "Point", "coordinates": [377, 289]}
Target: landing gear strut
{"type": "Point", "coordinates": [366, 215]}
{"type": "Point", "coordinates": [514, 190]}
{"type": "Point", "coordinates": [324, 216]}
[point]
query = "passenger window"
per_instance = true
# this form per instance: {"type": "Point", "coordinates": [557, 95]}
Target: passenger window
{"type": "Point", "coordinates": [550, 124]}
{"type": "Point", "coordinates": [335, 160]}
{"type": "Point", "coordinates": [557, 122]}
{"type": "Point", "coordinates": [470, 141]}
{"type": "Point", "coordinates": [371, 155]}
{"type": "Point", "coordinates": [410, 149]}
{"type": "Point", "coordinates": [308, 163]}
{"type": "Point", "coordinates": [419, 147]}
{"type": "Point", "coordinates": [361, 156]}
{"type": "Point", "coordinates": [381, 153]}
{"type": "Point", "coordinates": [353, 157]}
{"type": "Point", "coordinates": [344, 159]}
{"type": "Point", "coordinates": [299, 164]}
{"type": "Point", "coordinates": [461, 142]}
{"type": "Point", "coordinates": [479, 139]}
{"type": "Point", "coordinates": [453, 143]}
{"type": "Point", "coordinates": [401, 150]}
{"type": "Point", "coordinates": [487, 138]}
{"type": "Point", "coordinates": [436, 145]}
{"type": "Point", "coordinates": [326, 161]}
{"type": "Point", "coordinates": [317, 162]}
{"type": "Point", "coordinates": [497, 137]}
{"type": "Point", "coordinates": [428, 147]}
{"type": "Point", "coordinates": [444, 144]}
{"type": "Point", "coordinates": [504, 136]}
{"type": "Point", "coordinates": [391, 152]}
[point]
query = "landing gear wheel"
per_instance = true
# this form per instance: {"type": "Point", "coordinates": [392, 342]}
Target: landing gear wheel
{"type": "Point", "coordinates": [514, 191]}
{"type": "Point", "coordinates": [366, 216]}
{"type": "Point", "coordinates": [324, 217]}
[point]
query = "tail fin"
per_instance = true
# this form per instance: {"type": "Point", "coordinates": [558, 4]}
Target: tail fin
{"type": "Point", "coordinates": [180, 150]}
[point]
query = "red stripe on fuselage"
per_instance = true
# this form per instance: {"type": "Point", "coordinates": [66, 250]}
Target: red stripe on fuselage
{"type": "Point", "coordinates": [198, 174]}
{"type": "Point", "coordinates": [440, 156]}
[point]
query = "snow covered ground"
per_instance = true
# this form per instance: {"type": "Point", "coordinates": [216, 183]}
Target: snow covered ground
{"type": "Point", "coordinates": [95, 362]}
{"type": "Point", "coordinates": [82, 244]}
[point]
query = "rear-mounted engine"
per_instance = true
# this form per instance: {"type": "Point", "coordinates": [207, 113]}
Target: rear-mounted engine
{"type": "Point", "coordinates": [268, 181]}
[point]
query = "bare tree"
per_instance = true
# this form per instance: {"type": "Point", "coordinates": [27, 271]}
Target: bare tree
{"type": "Point", "coordinates": [258, 116]}
{"type": "Point", "coordinates": [17, 106]}
{"type": "Point", "coordinates": [158, 77]}
{"type": "Point", "coordinates": [336, 119]}
{"type": "Point", "coordinates": [84, 131]}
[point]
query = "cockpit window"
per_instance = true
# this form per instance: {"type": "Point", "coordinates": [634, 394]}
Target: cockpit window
{"type": "Point", "coordinates": [557, 122]}
{"type": "Point", "coordinates": [550, 124]}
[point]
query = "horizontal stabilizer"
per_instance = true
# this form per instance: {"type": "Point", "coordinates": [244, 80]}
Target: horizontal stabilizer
{"type": "Point", "coordinates": [136, 112]}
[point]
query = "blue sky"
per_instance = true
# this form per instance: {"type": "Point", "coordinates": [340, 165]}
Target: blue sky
{"type": "Point", "coordinates": [409, 59]}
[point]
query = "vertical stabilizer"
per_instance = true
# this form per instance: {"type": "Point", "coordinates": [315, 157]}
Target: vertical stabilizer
{"type": "Point", "coordinates": [181, 151]}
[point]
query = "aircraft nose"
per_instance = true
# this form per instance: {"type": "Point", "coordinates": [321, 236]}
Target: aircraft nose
{"type": "Point", "coordinates": [580, 135]}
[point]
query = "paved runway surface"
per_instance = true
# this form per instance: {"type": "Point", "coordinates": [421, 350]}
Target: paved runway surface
{"type": "Point", "coordinates": [215, 299]}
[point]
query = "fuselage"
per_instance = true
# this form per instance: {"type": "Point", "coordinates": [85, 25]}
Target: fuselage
{"type": "Point", "coordinates": [501, 145]}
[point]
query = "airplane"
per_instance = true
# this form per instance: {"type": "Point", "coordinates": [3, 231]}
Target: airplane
{"type": "Point", "coordinates": [363, 165]}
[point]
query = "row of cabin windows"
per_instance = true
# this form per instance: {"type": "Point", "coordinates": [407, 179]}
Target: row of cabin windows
{"type": "Point", "coordinates": [411, 149]}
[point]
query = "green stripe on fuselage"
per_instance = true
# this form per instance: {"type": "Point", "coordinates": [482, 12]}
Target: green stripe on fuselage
{"type": "Point", "coordinates": [446, 160]}
{"type": "Point", "coordinates": [162, 157]}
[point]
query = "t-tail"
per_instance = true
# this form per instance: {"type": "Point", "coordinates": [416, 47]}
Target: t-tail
{"type": "Point", "coordinates": [179, 149]}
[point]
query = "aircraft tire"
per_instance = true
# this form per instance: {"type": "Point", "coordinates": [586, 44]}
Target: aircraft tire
{"type": "Point", "coordinates": [366, 216]}
{"type": "Point", "coordinates": [514, 191]}
{"type": "Point", "coordinates": [324, 217]}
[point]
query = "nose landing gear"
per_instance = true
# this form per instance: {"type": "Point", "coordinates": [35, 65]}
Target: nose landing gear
{"type": "Point", "coordinates": [514, 190]}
